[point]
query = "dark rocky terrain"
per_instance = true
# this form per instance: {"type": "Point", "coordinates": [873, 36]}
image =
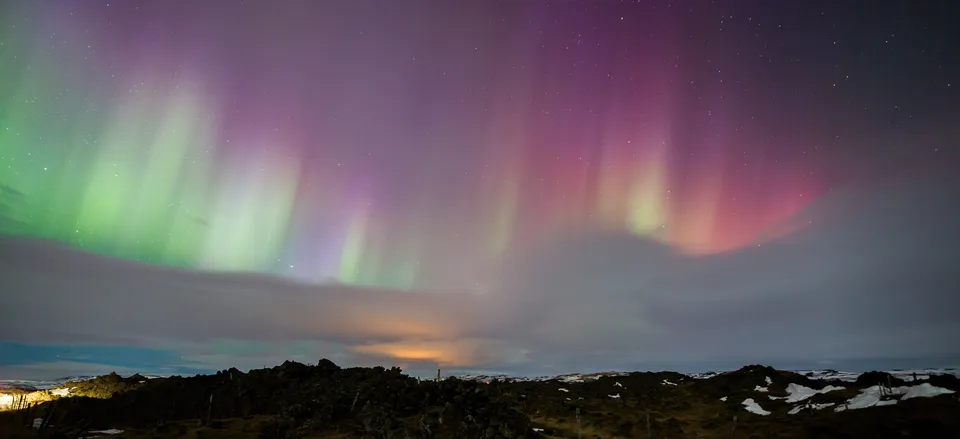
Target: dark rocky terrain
{"type": "Point", "coordinates": [294, 400]}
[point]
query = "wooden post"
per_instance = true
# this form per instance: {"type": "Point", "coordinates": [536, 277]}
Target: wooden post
{"type": "Point", "coordinates": [209, 409]}
{"type": "Point", "coordinates": [649, 431]}
{"type": "Point", "coordinates": [354, 401]}
{"type": "Point", "coordinates": [438, 374]}
{"type": "Point", "coordinates": [26, 418]}
{"type": "Point", "coordinates": [59, 421]}
{"type": "Point", "coordinates": [84, 426]}
{"type": "Point", "coordinates": [48, 415]}
{"type": "Point", "coordinates": [32, 414]}
{"type": "Point", "coordinates": [579, 433]}
{"type": "Point", "coordinates": [734, 432]}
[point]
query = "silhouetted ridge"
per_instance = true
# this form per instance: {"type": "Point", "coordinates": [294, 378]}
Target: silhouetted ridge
{"type": "Point", "coordinates": [305, 399]}
{"type": "Point", "coordinates": [324, 401]}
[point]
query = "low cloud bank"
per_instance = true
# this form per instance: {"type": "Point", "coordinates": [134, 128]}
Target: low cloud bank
{"type": "Point", "coordinates": [867, 273]}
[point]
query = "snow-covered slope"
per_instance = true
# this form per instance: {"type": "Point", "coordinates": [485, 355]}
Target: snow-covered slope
{"type": "Point", "coordinates": [905, 374]}
{"type": "Point", "coordinates": [30, 385]}
{"type": "Point", "coordinates": [825, 374]}
{"type": "Point", "coordinates": [40, 384]}
{"type": "Point", "coordinates": [798, 396]}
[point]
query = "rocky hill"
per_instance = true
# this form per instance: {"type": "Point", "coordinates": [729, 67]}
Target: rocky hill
{"type": "Point", "coordinates": [294, 400]}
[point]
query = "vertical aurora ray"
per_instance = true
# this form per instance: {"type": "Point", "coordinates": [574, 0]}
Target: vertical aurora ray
{"type": "Point", "coordinates": [251, 212]}
{"type": "Point", "coordinates": [380, 265]}
{"type": "Point", "coordinates": [701, 179]}
{"type": "Point", "coordinates": [351, 255]}
{"type": "Point", "coordinates": [114, 176]}
{"type": "Point", "coordinates": [502, 175]}
{"type": "Point", "coordinates": [407, 271]}
{"type": "Point", "coordinates": [648, 192]}
{"type": "Point", "coordinates": [505, 211]}
{"type": "Point", "coordinates": [613, 181]}
{"type": "Point", "coordinates": [152, 213]}
{"type": "Point", "coordinates": [181, 161]}
{"type": "Point", "coordinates": [59, 200]}
{"type": "Point", "coordinates": [312, 249]}
{"type": "Point", "coordinates": [17, 124]}
{"type": "Point", "coordinates": [403, 252]}
{"type": "Point", "coordinates": [694, 217]}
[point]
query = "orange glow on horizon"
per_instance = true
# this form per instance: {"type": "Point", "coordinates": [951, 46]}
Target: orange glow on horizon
{"type": "Point", "coordinates": [444, 353]}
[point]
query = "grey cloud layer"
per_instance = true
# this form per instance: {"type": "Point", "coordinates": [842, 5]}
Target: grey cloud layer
{"type": "Point", "coordinates": [871, 274]}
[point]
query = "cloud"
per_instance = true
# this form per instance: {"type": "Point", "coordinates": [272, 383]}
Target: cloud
{"type": "Point", "coordinates": [866, 273]}
{"type": "Point", "coordinates": [73, 296]}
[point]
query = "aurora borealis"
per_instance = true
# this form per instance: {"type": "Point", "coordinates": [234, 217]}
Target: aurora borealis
{"type": "Point", "coordinates": [165, 147]}
{"type": "Point", "coordinates": [354, 171]}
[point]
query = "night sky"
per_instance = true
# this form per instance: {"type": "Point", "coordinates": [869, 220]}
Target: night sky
{"type": "Point", "coordinates": [504, 186]}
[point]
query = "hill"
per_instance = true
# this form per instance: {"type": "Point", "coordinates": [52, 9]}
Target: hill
{"type": "Point", "coordinates": [294, 400]}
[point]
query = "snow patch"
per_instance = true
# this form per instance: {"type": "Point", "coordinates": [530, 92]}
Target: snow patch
{"type": "Point", "coordinates": [814, 406]}
{"type": "Point", "coordinates": [724, 399]}
{"type": "Point", "coordinates": [702, 375]}
{"type": "Point", "coordinates": [868, 397]}
{"type": "Point", "coordinates": [872, 396]}
{"type": "Point", "coordinates": [617, 396]}
{"type": "Point", "coordinates": [563, 390]}
{"type": "Point", "coordinates": [668, 383]}
{"type": "Point", "coordinates": [6, 400]}
{"type": "Point", "coordinates": [751, 406]}
{"type": "Point", "coordinates": [925, 390]}
{"type": "Point", "coordinates": [61, 392]}
{"type": "Point", "coordinates": [797, 393]}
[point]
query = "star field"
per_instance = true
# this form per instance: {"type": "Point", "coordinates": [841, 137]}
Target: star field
{"type": "Point", "coordinates": [427, 144]}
